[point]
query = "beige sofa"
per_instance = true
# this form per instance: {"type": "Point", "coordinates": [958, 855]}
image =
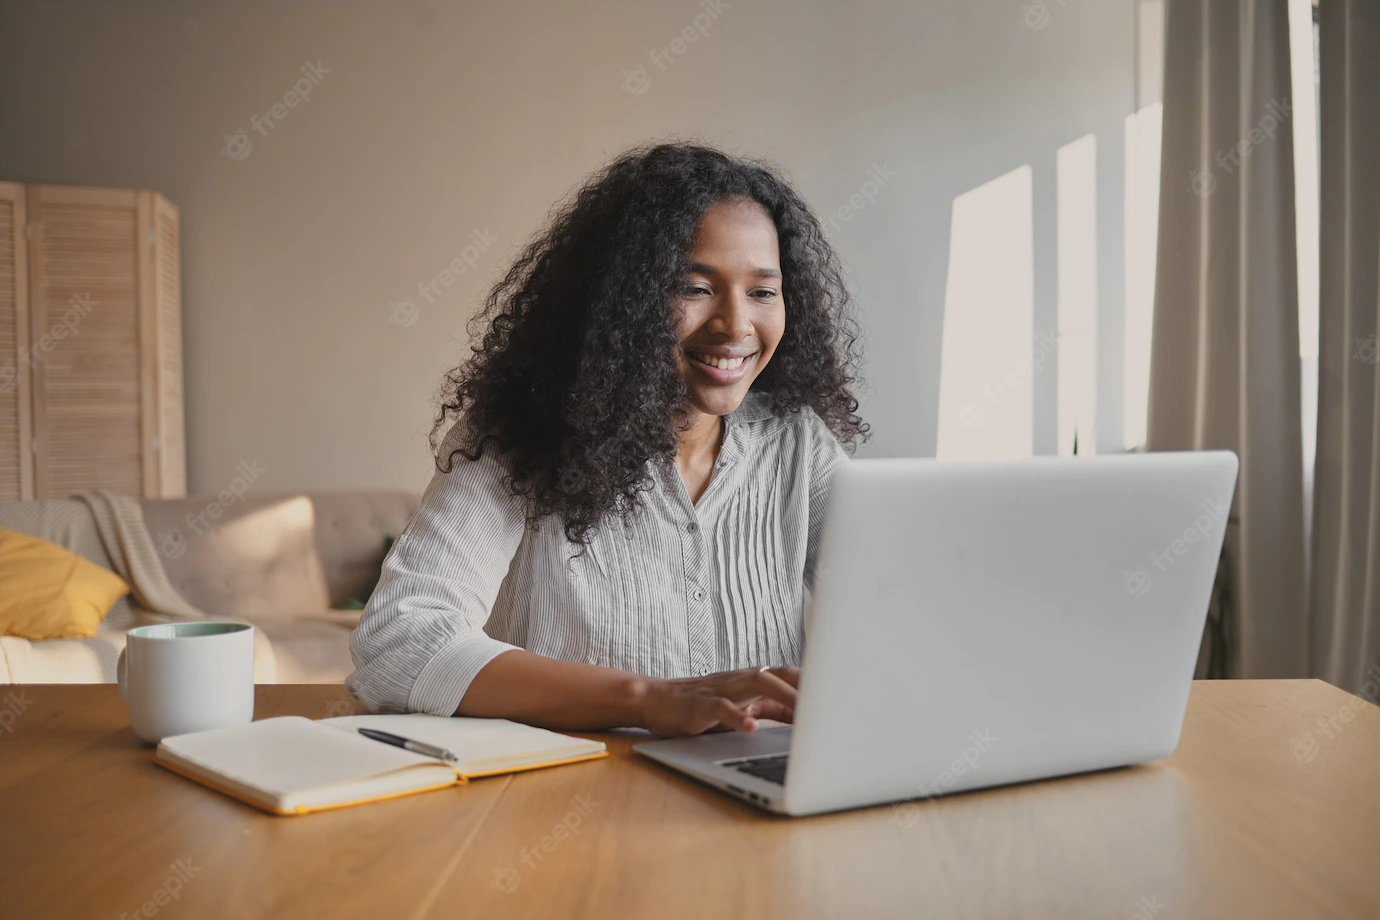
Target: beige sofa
{"type": "Point", "coordinates": [286, 563]}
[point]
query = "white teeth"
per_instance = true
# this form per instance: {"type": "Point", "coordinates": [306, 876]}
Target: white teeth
{"type": "Point", "coordinates": [723, 364]}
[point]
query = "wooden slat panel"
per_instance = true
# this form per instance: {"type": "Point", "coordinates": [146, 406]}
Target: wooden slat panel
{"type": "Point", "coordinates": [160, 338]}
{"type": "Point", "coordinates": [148, 349]}
{"type": "Point", "coordinates": [168, 285]}
{"type": "Point", "coordinates": [84, 251]}
{"type": "Point", "coordinates": [16, 461]}
{"type": "Point", "coordinates": [84, 196]}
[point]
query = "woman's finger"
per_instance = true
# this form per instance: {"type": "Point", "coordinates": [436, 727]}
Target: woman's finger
{"type": "Point", "coordinates": [728, 714]}
{"type": "Point", "coordinates": [768, 685]}
{"type": "Point", "coordinates": [788, 674]}
{"type": "Point", "coordinates": [771, 709]}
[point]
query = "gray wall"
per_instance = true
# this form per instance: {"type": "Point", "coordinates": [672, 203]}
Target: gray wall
{"type": "Point", "coordinates": [436, 121]}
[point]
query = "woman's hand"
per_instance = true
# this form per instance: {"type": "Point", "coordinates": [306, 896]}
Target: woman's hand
{"type": "Point", "coordinates": [730, 699]}
{"type": "Point", "coordinates": [574, 696]}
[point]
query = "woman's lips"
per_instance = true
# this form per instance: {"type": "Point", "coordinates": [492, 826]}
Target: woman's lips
{"type": "Point", "coordinates": [721, 374]}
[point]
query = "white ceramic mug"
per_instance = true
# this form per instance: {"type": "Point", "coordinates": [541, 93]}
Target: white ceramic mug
{"type": "Point", "coordinates": [187, 677]}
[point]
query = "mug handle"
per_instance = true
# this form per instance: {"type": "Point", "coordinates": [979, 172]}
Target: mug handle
{"type": "Point", "coordinates": [120, 670]}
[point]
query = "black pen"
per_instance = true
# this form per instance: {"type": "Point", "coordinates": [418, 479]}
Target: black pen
{"type": "Point", "coordinates": [416, 747]}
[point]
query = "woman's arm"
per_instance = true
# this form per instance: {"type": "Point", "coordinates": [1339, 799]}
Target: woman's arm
{"type": "Point", "coordinates": [421, 646]}
{"type": "Point", "coordinates": [530, 688]}
{"type": "Point", "coordinates": [421, 638]}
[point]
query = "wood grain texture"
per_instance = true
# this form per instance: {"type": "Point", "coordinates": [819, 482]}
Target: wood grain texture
{"type": "Point", "coordinates": [104, 337]}
{"type": "Point", "coordinates": [84, 310]}
{"type": "Point", "coordinates": [89, 826]}
{"type": "Point", "coordinates": [147, 323]}
{"type": "Point", "coordinates": [16, 425]}
{"type": "Point", "coordinates": [1269, 808]}
{"type": "Point", "coordinates": [167, 299]}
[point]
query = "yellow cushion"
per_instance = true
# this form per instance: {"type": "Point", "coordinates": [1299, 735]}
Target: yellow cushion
{"type": "Point", "coordinates": [47, 592]}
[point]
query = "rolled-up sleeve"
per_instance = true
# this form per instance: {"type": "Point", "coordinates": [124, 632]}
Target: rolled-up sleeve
{"type": "Point", "coordinates": [421, 639]}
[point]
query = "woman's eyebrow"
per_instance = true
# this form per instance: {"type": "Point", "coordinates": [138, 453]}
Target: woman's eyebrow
{"type": "Point", "coordinates": [699, 268]}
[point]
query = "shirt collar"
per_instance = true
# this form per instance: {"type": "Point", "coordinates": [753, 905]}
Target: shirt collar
{"type": "Point", "coordinates": [755, 407]}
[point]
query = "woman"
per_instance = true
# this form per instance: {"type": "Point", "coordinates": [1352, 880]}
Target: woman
{"type": "Point", "coordinates": [635, 460]}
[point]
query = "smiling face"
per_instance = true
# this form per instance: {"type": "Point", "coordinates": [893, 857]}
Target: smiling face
{"type": "Point", "coordinates": [731, 312]}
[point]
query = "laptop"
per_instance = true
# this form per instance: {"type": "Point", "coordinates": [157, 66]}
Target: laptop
{"type": "Point", "coordinates": [984, 623]}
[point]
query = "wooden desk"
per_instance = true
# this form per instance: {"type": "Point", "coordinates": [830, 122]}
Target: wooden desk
{"type": "Point", "coordinates": [1270, 808]}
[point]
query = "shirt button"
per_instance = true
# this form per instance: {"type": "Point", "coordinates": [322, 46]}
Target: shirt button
{"type": "Point", "coordinates": [692, 527]}
{"type": "Point", "coordinates": [705, 672]}
{"type": "Point", "coordinates": [698, 594]}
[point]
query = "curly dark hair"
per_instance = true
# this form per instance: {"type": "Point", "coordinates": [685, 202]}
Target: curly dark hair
{"type": "Point", "coordinates": [573, 378]}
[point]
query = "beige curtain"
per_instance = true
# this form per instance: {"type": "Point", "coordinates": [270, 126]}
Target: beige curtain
{"type": "Point", "coordinates": [1224, 370]}
{"type": "Point", "coordinates": [1345, 601]}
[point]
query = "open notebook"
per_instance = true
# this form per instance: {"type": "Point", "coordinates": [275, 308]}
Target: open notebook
{"type": "Point", "coordinates": [292, 765]}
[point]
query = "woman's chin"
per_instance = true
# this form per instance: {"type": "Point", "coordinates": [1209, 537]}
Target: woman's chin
{"type": "Point", "coordinates": [720, 400]}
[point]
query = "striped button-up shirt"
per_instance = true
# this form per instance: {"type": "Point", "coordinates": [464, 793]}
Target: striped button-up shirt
{"type": "Point", "coordinates": [682, 589]}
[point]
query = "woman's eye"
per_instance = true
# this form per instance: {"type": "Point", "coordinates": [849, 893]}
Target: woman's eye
{"type": "Point", "coordinates": [764, 293]}
{"type": "Point", "coordinates": [695, 289]}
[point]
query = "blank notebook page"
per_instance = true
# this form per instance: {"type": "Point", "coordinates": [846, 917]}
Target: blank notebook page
{"type": "Point", "coordinates": [477, 743]}
{"type": "Point", "coordinates": [291, 754]}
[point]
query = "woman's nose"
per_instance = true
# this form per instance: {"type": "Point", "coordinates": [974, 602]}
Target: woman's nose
{"type": "Point", "coordinates": [732, 317]}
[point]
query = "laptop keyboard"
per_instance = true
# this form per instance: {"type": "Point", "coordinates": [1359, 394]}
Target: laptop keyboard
{"type": "Point", "coordinates": [771, 768]}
